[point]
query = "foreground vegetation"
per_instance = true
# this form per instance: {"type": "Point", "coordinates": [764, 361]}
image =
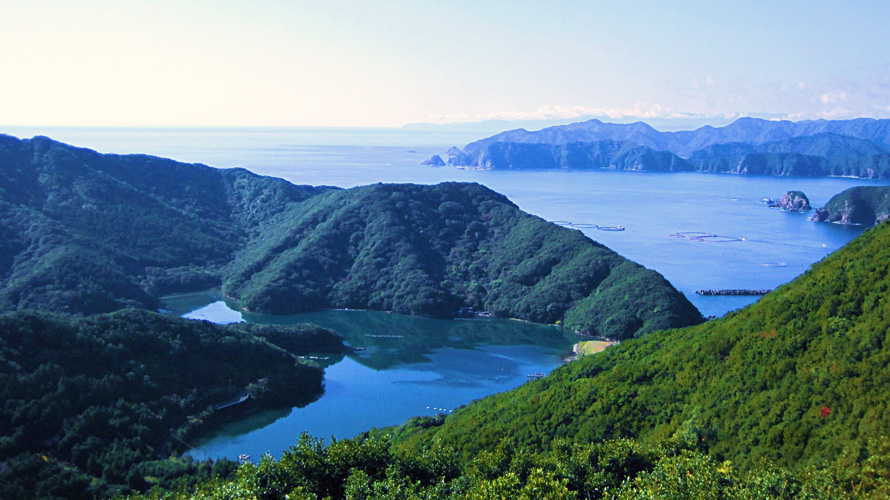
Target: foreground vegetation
{"type": "Point", "coordinates": [90, 407]}
{"type": "Point", "coordinates": [621, 469]}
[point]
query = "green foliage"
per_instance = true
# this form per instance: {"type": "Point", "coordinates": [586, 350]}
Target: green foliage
{"type": "Point", "coordinates": [859, 205]}
{"type": "Point", "coordinates": [87, 233]}
{"type": "Point", "coordinates": [798, 379]}
{"type": "Point", "coordinates": [90, 233]}
{"type": "Point", "coordinates": [369, 469]}
{"type": "Point", "coordinates": [89, 405]}
{"type": "Point", "coordinates": [430, 250]}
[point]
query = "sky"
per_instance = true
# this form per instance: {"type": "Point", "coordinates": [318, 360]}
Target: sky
{"type": "Point", "coordinates": [390, 63]}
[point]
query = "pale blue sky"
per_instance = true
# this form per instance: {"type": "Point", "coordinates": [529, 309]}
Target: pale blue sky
{"type": "Point", "coordinates": [354, 63]}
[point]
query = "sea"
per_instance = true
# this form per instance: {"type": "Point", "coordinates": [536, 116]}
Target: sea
{"type": "Point", "coordinates": [701, 231]}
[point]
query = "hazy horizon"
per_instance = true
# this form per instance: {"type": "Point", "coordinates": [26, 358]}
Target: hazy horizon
{"type": "Point", "coordinates": [355, 64]}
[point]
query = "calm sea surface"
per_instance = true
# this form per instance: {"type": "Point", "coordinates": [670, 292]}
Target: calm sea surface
{"type": "Point", "coordinates": [408, 367]}
{"type": "Point", "coordinates": [746, 245]}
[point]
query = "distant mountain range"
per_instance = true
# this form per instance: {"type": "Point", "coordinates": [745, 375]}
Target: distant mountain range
{"type": "Point", "coordinates": [748, 146]}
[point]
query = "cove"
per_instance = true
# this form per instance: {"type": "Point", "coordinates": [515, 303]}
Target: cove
{"type": "Point", "coordinates": [407, 367]}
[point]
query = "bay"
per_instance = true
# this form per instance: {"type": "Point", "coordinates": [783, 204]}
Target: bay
{"type": "Point", "coordinates": [405, 367]}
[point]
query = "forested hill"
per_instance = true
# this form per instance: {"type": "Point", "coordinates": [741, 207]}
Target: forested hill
{"type": "Point", "coordinates": [430, 250]}
{"type": "Point", "coordinates": [92, 406]}
{"type": "Point", "coordinates": [748, 146]}
{"type": "Point", "coordinates": [799, 378]}
{"type": "Point", "coordinates": [865, 205]}
{"type": "Point", "coordinates": [84, 232]}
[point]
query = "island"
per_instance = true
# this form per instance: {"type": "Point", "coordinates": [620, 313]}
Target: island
{"type": "Point", "coordinates": [792, 201]}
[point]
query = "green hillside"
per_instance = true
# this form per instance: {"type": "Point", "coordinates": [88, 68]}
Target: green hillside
{"type": "Point", "coordinates": [799, 378]}
{"type": "Point", "coordinates": [87, 233]}
{"type": "Point", "coordinates": [859, 205]}
{"type": "Point", "coordinates": [430, 250]}
{"type": "Point", "coordinates": [90, 406]}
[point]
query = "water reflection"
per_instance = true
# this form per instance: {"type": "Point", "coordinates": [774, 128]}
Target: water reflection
{"type": "Point", "coordinates": [401, 367]}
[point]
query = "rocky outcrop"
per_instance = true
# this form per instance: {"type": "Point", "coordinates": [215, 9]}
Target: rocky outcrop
{"type": "Point", "coordinates": [434, 161]}
{"type": "Point", "coordinates": [793, 201]}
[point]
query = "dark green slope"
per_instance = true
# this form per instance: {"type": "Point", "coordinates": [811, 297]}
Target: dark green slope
{"type": "Point", "coordinates": [859, 205]}
{"type": "Point", "coordinates": [429, 250]}
{"type": "Point", "coordinates": [801, 377]}
{"type": "Point", "coordinates": [86, 232]}
{"type": "Point", "coordinates": [89, 405]}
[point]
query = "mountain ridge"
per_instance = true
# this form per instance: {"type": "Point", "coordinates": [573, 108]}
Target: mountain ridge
{"type": "Point", "coordinates": [857, 148]}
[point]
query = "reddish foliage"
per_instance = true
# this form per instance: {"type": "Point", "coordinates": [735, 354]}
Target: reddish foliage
{"type": "Point", "coordinates": [824, 411]}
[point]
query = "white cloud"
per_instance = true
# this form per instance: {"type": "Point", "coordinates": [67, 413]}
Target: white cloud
{"type": "Point", "coordinates": [831, 98]}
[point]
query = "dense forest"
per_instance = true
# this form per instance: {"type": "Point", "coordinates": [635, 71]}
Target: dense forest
{"type": "Point", "coordinates": [87, 233]}
{"type": "Point", "coordinates": [798, 378]}
{"type": "Point", "coordinates": [748, 146]}
{"type": "Point", "coordinates": [91, 407]}
{"type": "Point", "coordinates": [783, 399]}
{"type": "Point", "coordinates": [430, 250]}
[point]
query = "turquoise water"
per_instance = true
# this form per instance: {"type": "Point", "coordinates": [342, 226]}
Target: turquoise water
{"type": "Point", "coordinates": [409, 366]}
